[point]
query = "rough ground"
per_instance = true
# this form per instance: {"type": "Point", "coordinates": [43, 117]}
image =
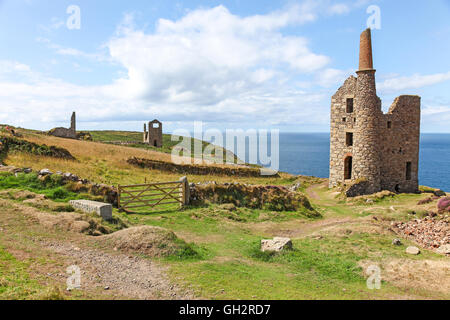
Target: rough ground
{"type": "Point", "coordinates": [423, 274]}
{"type": "Point", "coordinates": [128, 275]}
{"type": "Point", "coordinates": [125, 269]}
{"type": "Point", "coordinates": [430, 233]}
{"type": "Point", "coordinates": [28, 233]}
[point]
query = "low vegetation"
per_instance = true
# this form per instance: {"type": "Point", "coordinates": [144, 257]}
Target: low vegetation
{"type": "Point", "coordinates": [211, 247]}
{"type": "Point", "coordinates": [10, 144]}
{"type": "Point", "coordinates": [51, 187]}
{"type": "Point", "coordinates": [134, 139]}
{"type": "Point", "coordinates": [152, 242]}
{"type": "Point", "coordinates": [254, 196]}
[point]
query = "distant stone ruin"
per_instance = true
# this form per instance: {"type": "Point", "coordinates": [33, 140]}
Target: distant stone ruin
{"type": "Point", "coordinates": [69, 133]}
{"type": "Point", "coordinates": [371, 150]}
{"type": "Point", "coordinates": [154, 135]}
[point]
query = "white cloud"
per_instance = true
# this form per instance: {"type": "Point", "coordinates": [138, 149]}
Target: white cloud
{"type": "Point", "coordinates": [66, 51]}
{"type": "Point", "coordinates": [434, 110]}
{"type": "Point", "coordinates": [331, 77]}
{"type": "Point", "coordinates": [339, 8]}
{"type": "Point", "coordinates": [210, 55]}
{"type": "Point", "coordinates": [412, 82]}
{"type": "Point", "coordinates": [55, 24]}
{"type": "Point", "coordinates": [209, 65]}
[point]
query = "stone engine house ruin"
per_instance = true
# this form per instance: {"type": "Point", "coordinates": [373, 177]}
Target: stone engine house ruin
{"type": "Point", "coordinates": [154, 135]}
{"type": "Point", "coordinates": [70, 133]}
{"type": "Point", "coordinates": [370, 150]}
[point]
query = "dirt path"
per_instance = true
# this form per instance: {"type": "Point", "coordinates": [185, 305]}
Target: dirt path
{"type": "Point", "coordinates": [130, 276]}
{"type": "Point", "coordinates": [311, 193]}
{"type": "Point", "coordinates": [298, 229]}
{"type": "Point", "coordinates": [104, 272]}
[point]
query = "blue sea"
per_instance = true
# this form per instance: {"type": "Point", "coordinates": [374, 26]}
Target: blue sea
{"type": "Point", "coordinates": [308, 154]}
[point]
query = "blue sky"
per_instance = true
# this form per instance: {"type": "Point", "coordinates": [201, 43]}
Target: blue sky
{"type": "Point", "coordinates": [232, 64]}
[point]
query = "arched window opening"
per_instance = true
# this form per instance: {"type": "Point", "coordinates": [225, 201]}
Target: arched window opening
{"type": "Point", "coordinates": [348, 168]}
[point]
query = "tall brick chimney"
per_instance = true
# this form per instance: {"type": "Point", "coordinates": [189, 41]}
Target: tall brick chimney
{"type": "Point", "coordinates": [365, 51]}
{"type": "Point", "coordinates": [366, 152]}
{"type": "Point", "coordinates": [73, 122]}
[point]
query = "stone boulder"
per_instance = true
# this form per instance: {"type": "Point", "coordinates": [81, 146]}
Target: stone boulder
{"type": "Point", "coordinates": [412, 250]}
{"type": "Point", "coordinates": [295, 187]}
{"type": "Point", "coordinates": [276, 244]}
{"type": "Point", "coordinates": [11, 169]}
{"type": "Point", "coordinates": [444, 249]}
{"type": "Point", "coordinates": [45, 172]}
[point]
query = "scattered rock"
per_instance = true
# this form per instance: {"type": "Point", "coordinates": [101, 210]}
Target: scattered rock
{"type": "Point", "coordinates": [396, 242]}
{"type": "Point", "coordinates": [295, 187]}
{"type": "Point", "coordinates": [429, 232]}
{"type": "Point", "coordinates": [8, 168]}
{"type": "Point", "coordinates": [276, 244]}
{"type": "Point", "coordinates": [412, 250]}
{"type": "Point", "coordinates": [45, 172]}
{"type": "Point", "coordinates": [444, 249]}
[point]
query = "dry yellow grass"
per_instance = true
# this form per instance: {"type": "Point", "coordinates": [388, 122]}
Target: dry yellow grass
{"type": "Point", "coordinates": [106, 163]}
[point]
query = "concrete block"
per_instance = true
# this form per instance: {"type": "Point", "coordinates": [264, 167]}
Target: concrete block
{"type": "Point", "coordinates": [102, 209]}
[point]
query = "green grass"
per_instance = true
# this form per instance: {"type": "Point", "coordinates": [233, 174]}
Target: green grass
{"type": "Point", "coordinates": [17, 284]}
{"type": "Point", "coordinates": [52, 188]}
{"type": "Point", "coordinates": [231, 266]}
{"type": "Point", "coordinates": [219, 252]}
{"type": "Point", "coordinates": [131, 136]}
{"type": "Point", "coordinates": [315, 269]}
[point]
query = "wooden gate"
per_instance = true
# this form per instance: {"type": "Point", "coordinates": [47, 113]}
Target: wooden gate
{"type": "Point", "coordinates": [153, 194]}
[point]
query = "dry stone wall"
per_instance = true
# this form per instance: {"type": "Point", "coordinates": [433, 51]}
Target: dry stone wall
{"type": "Point", "coordinates": [197, 169]}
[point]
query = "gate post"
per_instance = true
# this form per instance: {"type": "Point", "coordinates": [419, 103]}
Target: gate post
{"type": "Point", "coordinates": [118, 198]}
{"type": "Point", "coordinates": [184, 191]}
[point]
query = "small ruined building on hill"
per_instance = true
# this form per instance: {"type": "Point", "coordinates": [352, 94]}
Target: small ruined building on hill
{"type": "Point", "coordinates": [70, 133]}
{"type": "Point", "coordinates": [371, 151]}
{"type": "Point", "coordinates": [154, 135]}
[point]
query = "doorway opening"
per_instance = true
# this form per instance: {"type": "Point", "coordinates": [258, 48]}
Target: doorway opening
{"type": "Point", "coordinates": [348, 168]}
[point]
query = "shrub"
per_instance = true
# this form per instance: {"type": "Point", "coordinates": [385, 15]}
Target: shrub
{"type": "Point", "coordinates": [274, 198]}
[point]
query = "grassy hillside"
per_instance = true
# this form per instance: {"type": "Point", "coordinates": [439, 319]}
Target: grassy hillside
{"type": "Point", "coordinates": [133, 136]}
{"type": "Point", "coordinates": [106, 163]}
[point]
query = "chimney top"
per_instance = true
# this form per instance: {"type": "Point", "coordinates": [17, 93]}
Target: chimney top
{"type": "Point", "coordinates": [365, 51]}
